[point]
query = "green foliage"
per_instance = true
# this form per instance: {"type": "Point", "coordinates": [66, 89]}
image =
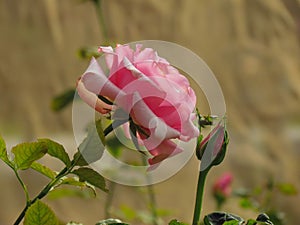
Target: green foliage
{"type": "Point", "coordinates": [92, 147]}
{"type": "Point", "coordinates": [27, 153]}
{"type": "Point", "coordinates": [251, 222]}
{"type": "Point", "coordinates": [61, 101]}
{"type": "Point", "coordinates": [111, 222]}
{"type": "Point", "coordinates": [114, 146]}
{"type": "Point", "coordinates": [176, 222]}
{"type": "Point", "coordinates": [231, 222]}
{"type": "Point", "coordinates": [3, 152]}
{"type": "Point", "coordinates": [56, 150]}
{"type": "Point", "coordinates": [260, 199]}
{"type": "Point", "coordinates": [287, 189]}
{"type": "Point", "coordinates": [57, 193]}
{"type": "Point", "coordinates": [218, 218]}
{"type": "Point", "coordinates": [74, 223]}
{"type": "Point", "coordinates": [223, 218]}
{"type": "Point", "coordinates": [92, 177]}
{"type": "Point", "coordinates": [88, 52]}
{"type": "Point", "coordinates": [40, 214]}
{"type": "Point", "coordinates": [43, 170]}
{"type": "Point", "coordinates": [74, 181]}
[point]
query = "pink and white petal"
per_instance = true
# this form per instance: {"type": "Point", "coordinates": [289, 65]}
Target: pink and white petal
{"type": "Point", "coordinates": [165, 150]}
{"type": "Point", "coordinates": [145, 55]}
{"type": "Point", "coordinates": [96, 82]}
{"type": "Point", "coordinates": [110, 57]}
{"type": "Point", "coordinates": [92, 99]}
{"type": "Point", "coordinates": [124, 51]}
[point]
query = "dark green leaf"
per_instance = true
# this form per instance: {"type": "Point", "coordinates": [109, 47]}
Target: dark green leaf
{"type": "Point", "coordinates": [27, 153]}
{"type": "Point", "coordinates": [92, 147]}
{"type": "Point", "coordinates": [80, 161]}
{"type": "Point", "coordinates": [176, 222]}
{"type": "Point", "coordinates": [287, 189]}
{"type": "Point", "coordinates": [43, 170]}
{"type": "Point", "coordinates": [40, 214]}
{"type": "Point", "coordinates": [92, 177]}
{"type": "Point", "coordinates": [219, 218]}
{"type": "Point", "coordinates": [56, 150]}
{"type": "Point", "coordinates": [3, 152]}
{"type": "Point", "coordinates": [111, 222]}
{"type": "Point", "coordinates": [114, 146]}
{"type": "Point", "coordinates": [62, 100]}
{"type": "Point", "coordinates": [264, 218]}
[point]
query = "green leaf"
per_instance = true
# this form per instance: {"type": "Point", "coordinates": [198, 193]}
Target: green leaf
{"type": "Point", "coordinates": [43, 170]}
{"type": "Point", "coordinates": [74, 181]}
{"type": "Point", "coordinates": [251, 222]}
{"type": "Point", "coordinates": [92, 177]}
{"type": "Point", "coordinates": [111, 222]}
{"type": "Point", "coordinates": [27, 153]}
{"type": "Point", "coordinates": [40, 214]}
{"type": "Point", "coordinates": [57, 193]}
{"type": "Point", "coordinates": [74, 223]}
{"type": "Point", "coordinates": [88, 52]}
{"type": "Point", "coordinates": [3, 152]}
{"type": "Point", "coordinates": [176, 222]}
{"type": "Point", "coordinates": [287, 189]}
{"type": "Point", "coordinates": [231, 222]}
{"type": "Point", "coordinates": [114, 146]}
{"type": "Point", "coordinates": [56, 150]}
{"type": "Point", "coordinates": [61, 101]}
{"type": "Point", "coordinates": [128, 213]}
{"type": "Point", "coordinates": [92, 147]}
{"type": "Point", "coordinates": [217, 218]}
{"type": "Point", "coordinates": [247, 203]}
{"type": "Point", "coordinates": [264, 219]}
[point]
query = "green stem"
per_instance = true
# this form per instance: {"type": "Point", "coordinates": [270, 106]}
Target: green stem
{"type": "Point", "coordinates": [199, 196]}
{"type": "Point", "coordinates": [51, 184]}
{"type": "Point", "coordinates": [23, 186]}
{"type": "Point", "coordinates": [151, 194]}
{"type": "Point", "coordinates": [152, 203]}
{"type": "Point", "coordinates": [109, 199]}
{"type": "Point", "coordinates": [103, 28]}
{"type": "Point", "coordinates": [45, 191]}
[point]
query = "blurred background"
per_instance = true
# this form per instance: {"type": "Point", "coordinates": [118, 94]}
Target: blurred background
{"type": "Point", "coordinates": [252, 46]}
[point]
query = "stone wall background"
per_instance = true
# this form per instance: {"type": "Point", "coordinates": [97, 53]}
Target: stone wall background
{"type": "Point", "coordinates": [253, 47]}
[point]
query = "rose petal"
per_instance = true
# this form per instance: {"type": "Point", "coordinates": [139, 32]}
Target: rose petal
{"type": "Point", "coordinates": [165, 150]}
{"type": "Point", "coordinates": [92, 100]}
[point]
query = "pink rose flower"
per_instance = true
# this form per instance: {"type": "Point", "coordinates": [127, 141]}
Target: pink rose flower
{"type": "Point", "coordinates": [156, 96]}
{"type": "Point", "coordinates": [222, 186]}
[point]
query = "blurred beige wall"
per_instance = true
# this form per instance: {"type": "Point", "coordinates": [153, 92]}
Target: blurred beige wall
{"type": "Point", "coordinates": [253, 47]}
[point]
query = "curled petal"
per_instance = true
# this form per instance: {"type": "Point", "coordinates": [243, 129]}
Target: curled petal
{"type": "Point", "coordinates": [165, 150]}
{"type": "Point", "coordinates": [92, 100]}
